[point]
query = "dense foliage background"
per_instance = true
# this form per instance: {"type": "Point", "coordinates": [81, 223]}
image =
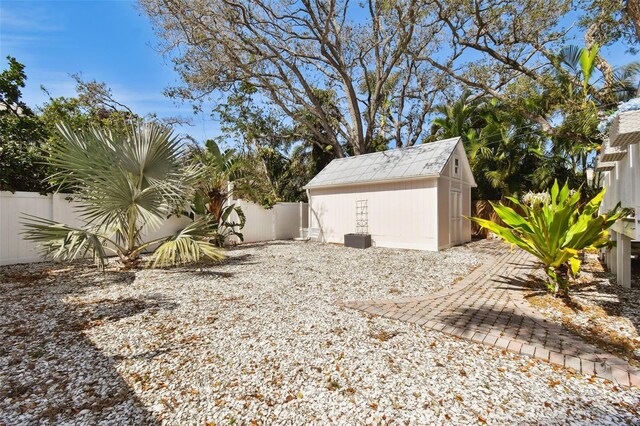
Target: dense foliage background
{"type": "Point", "coordinates": [525, 94]}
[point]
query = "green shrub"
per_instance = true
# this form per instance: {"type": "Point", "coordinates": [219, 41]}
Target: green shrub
{"type": "Point", "coordinates": [555, 230]}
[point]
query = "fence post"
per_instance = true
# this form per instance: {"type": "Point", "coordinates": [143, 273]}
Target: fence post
{"type": "Point", "coordinates": [300, 221]}
{"type": "Point", "coordinates": [274, 221]}
{"type": "Point", "coordinates": [230, 192]}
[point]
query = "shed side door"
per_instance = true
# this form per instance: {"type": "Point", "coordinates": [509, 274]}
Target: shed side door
{"type": "Point", "coordinates": [455, 223]}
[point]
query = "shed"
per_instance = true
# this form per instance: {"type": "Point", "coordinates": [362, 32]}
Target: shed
{"type": "Point", "coordinates": [411, 198]}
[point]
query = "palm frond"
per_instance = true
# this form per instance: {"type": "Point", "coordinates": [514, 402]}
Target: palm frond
{"type": "Point", "coordinates": [139, 174]}
{"type": "Point", "coordinates": [570, 57]}
{"type": "Point", "coordinates": [627, 81]}
{"type": "Point", "coordinates": [65, 243]}
{"type": "Point", "coordinates": [189, 245]}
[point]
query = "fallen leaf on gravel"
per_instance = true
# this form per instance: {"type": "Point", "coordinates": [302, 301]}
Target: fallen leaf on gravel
{"type": "Point", "coordinates": [273, 341]}
{"type": "Point", "coordinates": [350, 391]}
{"type": "Point", "coordinates": [383, 335]}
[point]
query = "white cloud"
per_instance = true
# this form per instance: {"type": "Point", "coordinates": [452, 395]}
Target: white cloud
{"type": "Point", "coordinates": [24, 17]}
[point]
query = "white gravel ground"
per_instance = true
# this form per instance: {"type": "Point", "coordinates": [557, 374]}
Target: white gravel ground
{"type": "Point", "coordinates": [260, 340]}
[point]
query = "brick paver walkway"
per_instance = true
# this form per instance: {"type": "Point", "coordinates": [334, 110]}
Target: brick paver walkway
{"type": "Point", "coordinates": [488, 307]}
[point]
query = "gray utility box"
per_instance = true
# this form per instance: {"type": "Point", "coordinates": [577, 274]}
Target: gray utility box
{"type": "Point", "coordinates": [361, 241]}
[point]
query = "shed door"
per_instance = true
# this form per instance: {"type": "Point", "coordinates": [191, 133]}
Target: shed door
{"type": "Point", "coordinates": [455, 223]}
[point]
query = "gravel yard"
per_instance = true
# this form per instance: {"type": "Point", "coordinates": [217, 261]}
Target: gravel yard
{"type": "Point", "coordinates": [259, 339]}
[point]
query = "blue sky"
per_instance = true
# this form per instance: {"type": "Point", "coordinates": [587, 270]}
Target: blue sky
{"type": "Point", "coordinates": [109, 41]}
{"type": "Point", "coordinates": [112, 42]}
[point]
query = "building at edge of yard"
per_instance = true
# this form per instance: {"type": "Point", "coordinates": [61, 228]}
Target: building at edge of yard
{"type": "Point", "coordinates": [410, 198]}
{"type": "Point", "coordinates": [617, 164]}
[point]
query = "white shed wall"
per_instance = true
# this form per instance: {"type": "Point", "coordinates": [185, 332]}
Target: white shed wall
{"type": "Point", "coordinates": [410, 214]}
{"type": "Point", "coordinates": [401, 214]}
{"type": "Point", "coordinates": [447, 183]}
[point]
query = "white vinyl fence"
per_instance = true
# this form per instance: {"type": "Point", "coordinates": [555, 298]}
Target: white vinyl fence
{"type": "Point", "coordinates": [283, 221]}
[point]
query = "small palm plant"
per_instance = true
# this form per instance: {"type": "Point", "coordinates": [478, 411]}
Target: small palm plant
{"type": "Point", "coordinates": [213, 190]}
{"type": "Point", "coordinates": [555, 228]}
{"type": "Point", "coordinates": [126, 184]}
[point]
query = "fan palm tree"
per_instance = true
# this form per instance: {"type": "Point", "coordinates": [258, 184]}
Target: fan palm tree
{"type": "Point", "coordinates": [627, 82]}
{"type": "Point", "coordinates": [126, 184]}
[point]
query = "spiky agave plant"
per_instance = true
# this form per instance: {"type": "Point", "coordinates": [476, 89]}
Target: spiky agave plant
{"type": "Point", "coordinates": [124, 184]}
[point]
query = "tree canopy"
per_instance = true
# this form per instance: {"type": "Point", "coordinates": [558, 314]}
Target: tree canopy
{"type": "Point", "coordinates": [524, 83]}
{"type": "Point", "coordinates": [22, 134]}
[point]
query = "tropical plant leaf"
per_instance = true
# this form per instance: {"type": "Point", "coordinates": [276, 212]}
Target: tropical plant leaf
{"type": "Point", "coordinates": [64, 243]}
{"type": "Point", "coordinates": [575, 265]}
{"type": "Point", "coordinates": [511, 218]}
{"type": "Point", "coordinates": [189, 245]}
{"type": "Point", "coordinates": [556, 232]}
{"type": "Point", "coordinates": [588, 62]}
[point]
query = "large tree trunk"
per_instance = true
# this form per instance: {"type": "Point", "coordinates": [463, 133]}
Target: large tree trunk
{"type": "Point", "coordinates": [291, 50]}
{"type": "Point", "coordinates": [633, 10]}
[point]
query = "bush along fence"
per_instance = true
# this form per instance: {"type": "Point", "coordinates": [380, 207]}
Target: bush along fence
{"type": "Point", "coordinates": [283, 221]}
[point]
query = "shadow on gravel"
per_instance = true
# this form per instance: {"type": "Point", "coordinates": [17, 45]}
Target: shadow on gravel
{"type": "Point", "coordinates": [214, 274]}
{"type": "Point", "coordinates": [49, 370]}
{"type": "Point", "coordinates": [260, 244]}
{"type": "Point", "coordinates": [626, 304]}
{"type": "Point", "coordinates": [117, 309]}
{"type": "Point", "coordinates": [588, 333]}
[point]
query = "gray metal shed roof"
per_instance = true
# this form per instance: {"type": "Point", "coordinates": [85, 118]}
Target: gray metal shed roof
{"type": "Point", "coordinates": [422, 160]}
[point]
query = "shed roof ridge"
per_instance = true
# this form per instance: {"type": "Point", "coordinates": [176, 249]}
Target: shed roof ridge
{"type": "Point", "coordinates": [404, 148]}
{"type": "Point", "coordinates": [427, 159]}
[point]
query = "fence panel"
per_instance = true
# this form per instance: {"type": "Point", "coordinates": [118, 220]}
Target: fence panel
{"type": "Point", "coordinates": [283, 221]}
{"type": "Point", "coordinates": [13, 248]}
{"type": "Point", "coordinates": [287, 220]}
